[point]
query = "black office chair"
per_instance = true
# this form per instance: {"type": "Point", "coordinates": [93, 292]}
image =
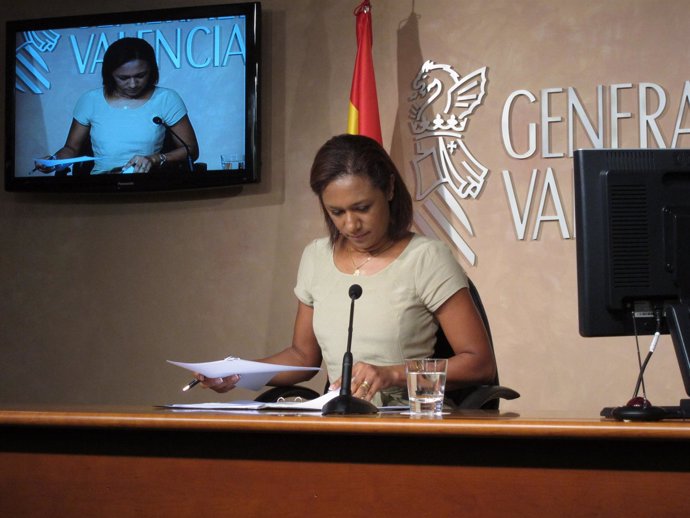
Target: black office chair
{"type": "Point", "coordinates": [484, 397]}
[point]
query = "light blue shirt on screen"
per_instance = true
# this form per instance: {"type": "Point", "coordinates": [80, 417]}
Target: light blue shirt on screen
{"type": "Point", "coordinates": [117, 134]}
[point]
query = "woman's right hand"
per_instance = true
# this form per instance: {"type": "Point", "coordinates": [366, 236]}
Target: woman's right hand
{"type": "Point", "coordinates": [220, 385]}
{"type": "Point", "coordinates": [45, 169]}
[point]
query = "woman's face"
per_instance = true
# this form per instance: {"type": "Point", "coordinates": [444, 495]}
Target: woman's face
{"type": "Point", "coordinates": [132, 78]}
{"type": "Point", "coordinates": [359, 211]}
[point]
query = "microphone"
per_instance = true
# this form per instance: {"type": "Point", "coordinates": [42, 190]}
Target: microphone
{"type": "Point", "coordinates": [345, 403]}
{"type": "Point", "coordinates": [160, 122]}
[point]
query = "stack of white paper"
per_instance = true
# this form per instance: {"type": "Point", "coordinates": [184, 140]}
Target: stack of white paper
{"type": "Point", "coordinates": [312, 405]}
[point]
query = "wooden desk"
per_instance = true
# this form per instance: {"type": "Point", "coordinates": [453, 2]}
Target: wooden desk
{"type": "Point", "coordinates": [145, 462]}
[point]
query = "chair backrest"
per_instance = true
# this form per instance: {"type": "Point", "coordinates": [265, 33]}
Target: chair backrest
{"type": "Point", "coordinates": [443, 349]}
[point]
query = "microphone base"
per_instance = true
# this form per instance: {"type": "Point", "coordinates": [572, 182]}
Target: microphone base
{"type": "Point", "coordinates": [348, 405]}
{"type": "Point", "coordinates": [630, 413]}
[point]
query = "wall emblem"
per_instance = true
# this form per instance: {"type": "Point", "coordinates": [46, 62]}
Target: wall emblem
{"type": "Point", "coordinates": [31, 68]}
{"type": "Point", "coordinates": [441, 102]}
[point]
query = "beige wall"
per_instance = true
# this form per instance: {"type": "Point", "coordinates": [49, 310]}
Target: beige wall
{"type": "Point", "coordinates": [99, 291]}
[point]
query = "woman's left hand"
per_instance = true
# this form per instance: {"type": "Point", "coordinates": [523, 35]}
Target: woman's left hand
{"type": "Point", "coordinates": [368, 379]}
{"type": "Point", "coordinates": [140, 164]}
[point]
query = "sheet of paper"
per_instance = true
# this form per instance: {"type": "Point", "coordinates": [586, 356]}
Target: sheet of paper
{"type": "Point", "coordinates": [50, 162]}
{"type": "Point", "coordinates": [253, 375]}
{"type": "Point", "coordinates": [230, 405]}
{"type": "Point", "coordinates": [311, 404]}
{"type": "Point", "coordinates": [314, 405]}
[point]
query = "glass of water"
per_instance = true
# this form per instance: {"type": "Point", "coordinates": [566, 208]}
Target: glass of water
{"type": "Point", "coordinates": [426, 385]}
{"type": "Point", "coordinates": [232, 161]}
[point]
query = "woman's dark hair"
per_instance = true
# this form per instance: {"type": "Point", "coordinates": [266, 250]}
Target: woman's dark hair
{"type": "Point", "coordinates": [122, 51]}
{"type": "Point", "coordinates": [359, 155]}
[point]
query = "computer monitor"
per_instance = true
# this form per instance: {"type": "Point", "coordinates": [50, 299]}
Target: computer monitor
{"type": "Point", "coordinates": [632, 213]}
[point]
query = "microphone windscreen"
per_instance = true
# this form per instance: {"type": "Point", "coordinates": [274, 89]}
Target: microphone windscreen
{"type": "Point", "coordinates": [355, 291]}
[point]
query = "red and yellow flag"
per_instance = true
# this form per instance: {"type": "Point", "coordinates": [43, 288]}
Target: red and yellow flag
{"type": "Point", "coordinates": [363, 115]}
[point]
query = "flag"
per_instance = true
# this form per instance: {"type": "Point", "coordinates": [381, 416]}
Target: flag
{"type": "Point", "coordinates": [363, 114]}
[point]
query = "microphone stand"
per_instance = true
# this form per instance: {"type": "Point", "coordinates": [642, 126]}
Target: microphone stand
{"type": "Point", "coordinates": [190, 162]}
{"type": "Point", "coordinates": [345, 403]}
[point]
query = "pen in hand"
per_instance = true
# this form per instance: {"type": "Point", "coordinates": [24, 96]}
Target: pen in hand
{"type": "Point", "coordinates": [190, 385]}
{"type": "Point", "coordinates": [195, 381]}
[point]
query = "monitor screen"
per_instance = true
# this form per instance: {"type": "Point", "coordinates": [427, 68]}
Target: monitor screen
{"type": "Point", "coordinates": [197, 127]}
{"type": "Point", "coordinates": [632, 210]}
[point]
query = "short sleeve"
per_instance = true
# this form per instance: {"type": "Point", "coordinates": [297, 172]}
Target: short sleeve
{"type": "Point", "coordinates": [173, 107]}
{"type": "Point", "coordinates": [305, 274]}
{"type": "Point", "coordinates": [83, 110]}
{"type": "Point", "coordinates": [438, 275]}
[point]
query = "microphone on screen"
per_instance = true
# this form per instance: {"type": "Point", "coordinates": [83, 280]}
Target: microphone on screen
{"type": "Point", "coordinates": [345, 403]}
{"type": "Point", "coordinates": [190, 163]}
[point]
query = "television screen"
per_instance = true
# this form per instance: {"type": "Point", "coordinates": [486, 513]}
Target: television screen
{"type": "Point", "coordinates": [197, 127]}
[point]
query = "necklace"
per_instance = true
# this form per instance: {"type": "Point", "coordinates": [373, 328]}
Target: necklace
{"type": "Point", "coordinates": [370, 256]}
{"type": "Point", "coordinates": [358, 266]}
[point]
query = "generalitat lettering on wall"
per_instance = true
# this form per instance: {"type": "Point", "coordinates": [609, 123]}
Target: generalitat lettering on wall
{"type": "Point", "coordinates": [602, 130]}
{"type": "Point", "coordinates": [180, 43]}
{"type": "Point", "coordinates": [447, 174]}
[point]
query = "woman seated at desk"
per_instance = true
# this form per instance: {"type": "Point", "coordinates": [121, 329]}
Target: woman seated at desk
{"type": "Point", "coordinates": [411, 285]}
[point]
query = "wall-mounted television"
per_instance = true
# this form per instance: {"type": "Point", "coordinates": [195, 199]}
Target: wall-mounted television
{"type": "Point", "coordinates": [208, 61]}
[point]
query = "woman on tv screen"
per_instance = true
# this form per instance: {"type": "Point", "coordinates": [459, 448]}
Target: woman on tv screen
{"type": "Point", "coordinates": [125, 122]}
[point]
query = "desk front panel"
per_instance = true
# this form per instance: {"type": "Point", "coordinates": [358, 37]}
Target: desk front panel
{"type": "Point", "coordinates": [161, 464]}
